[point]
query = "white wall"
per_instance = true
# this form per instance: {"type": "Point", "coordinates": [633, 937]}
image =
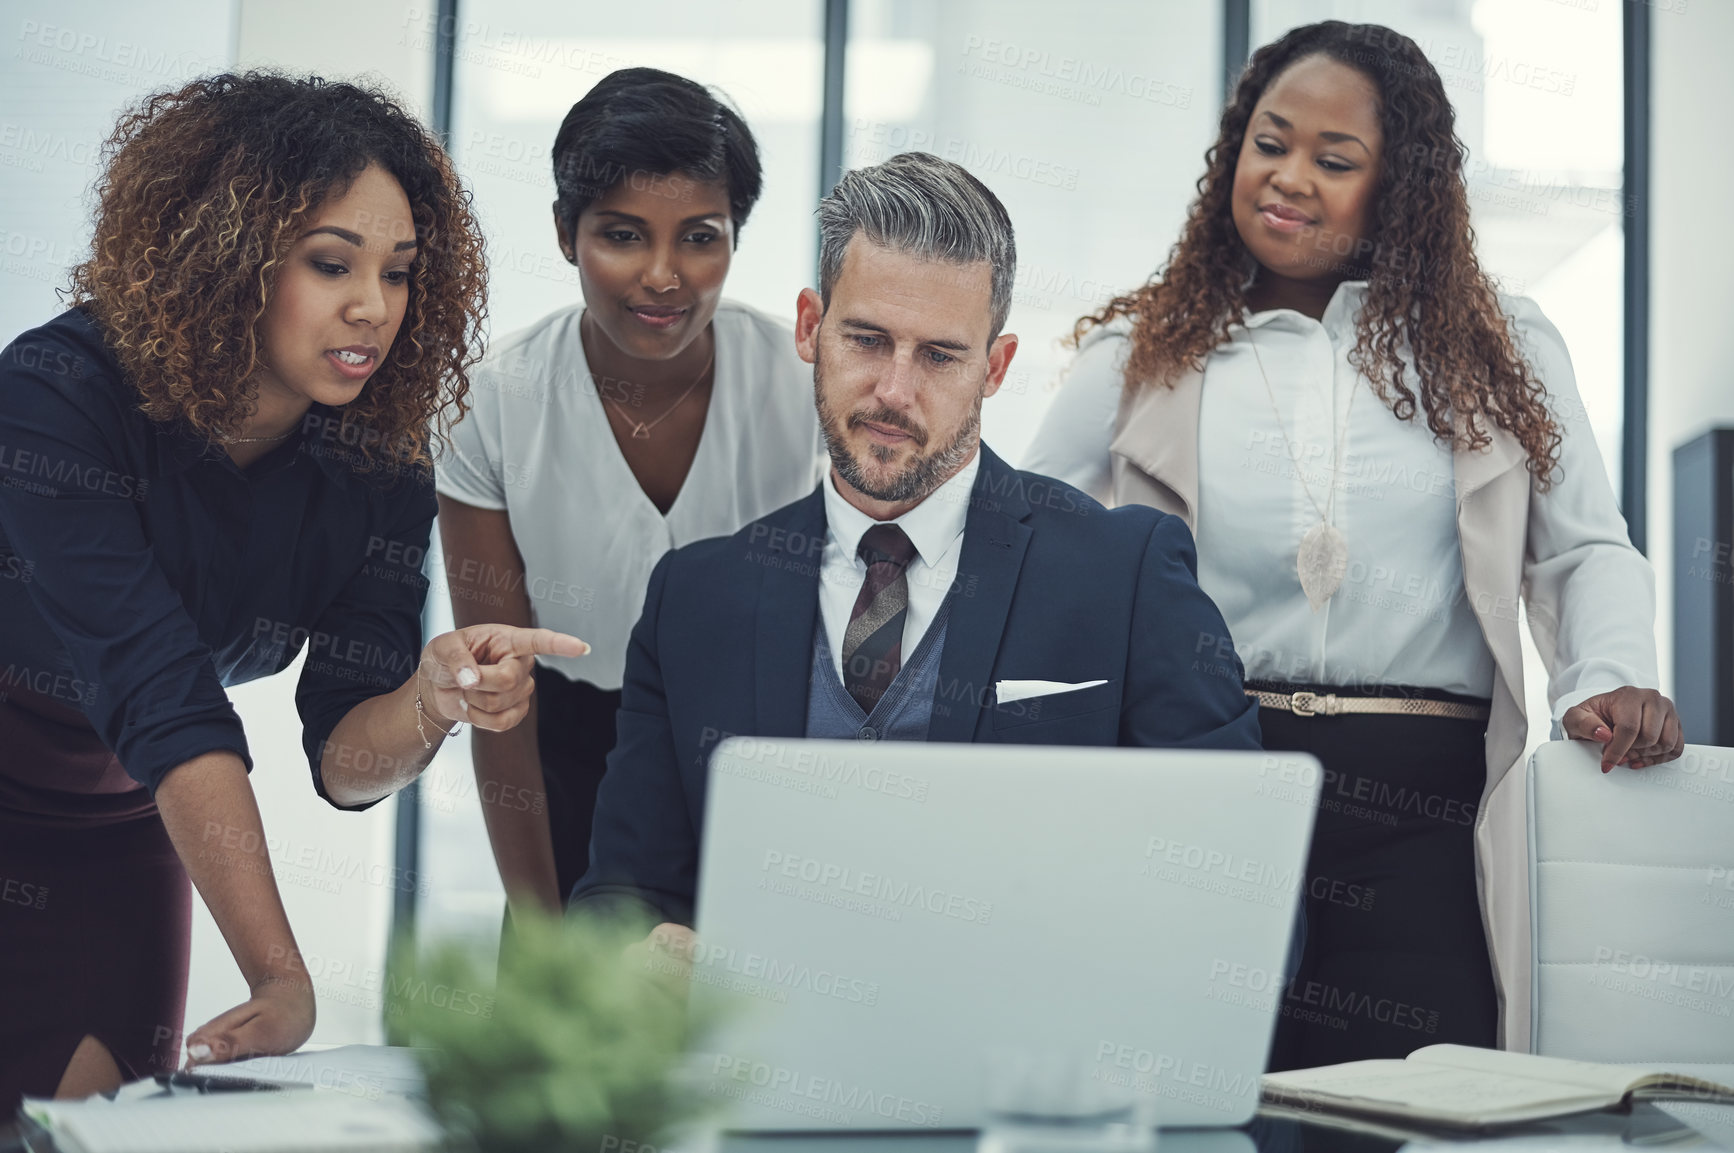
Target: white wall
{"type": "Point", "coordinates": [386, 42]}
{"type": "Point", "coordinates": [1090, 130]}
{"type": "Point", "coordinates": [69, 68]}
{"type": "Point", "coordinates": [1691, 295]}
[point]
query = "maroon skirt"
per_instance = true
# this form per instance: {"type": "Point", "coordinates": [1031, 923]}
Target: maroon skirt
{"type": "Point", "coordinates": [95, 908]}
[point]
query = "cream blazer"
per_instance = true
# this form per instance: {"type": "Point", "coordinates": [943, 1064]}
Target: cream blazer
{"type": "Point", "coordinates": [1563, 554]}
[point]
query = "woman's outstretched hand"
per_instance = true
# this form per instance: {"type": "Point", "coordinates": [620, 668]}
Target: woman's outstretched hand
{"type": "Point", "coordinates": [1635, 727]}
{"type": "Point", "coordinates": [481, 674]}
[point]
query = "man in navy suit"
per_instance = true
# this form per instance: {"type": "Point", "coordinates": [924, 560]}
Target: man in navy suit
{"type": "Point", "coordinates": [926, 591]}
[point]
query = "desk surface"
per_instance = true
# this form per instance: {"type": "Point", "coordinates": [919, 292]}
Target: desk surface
{"type": "Point", "coordinates": [1645, 1126]}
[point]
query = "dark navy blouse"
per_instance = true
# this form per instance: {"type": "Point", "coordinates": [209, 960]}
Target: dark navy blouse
{"type": "Point", "coordinates": [141, 570]}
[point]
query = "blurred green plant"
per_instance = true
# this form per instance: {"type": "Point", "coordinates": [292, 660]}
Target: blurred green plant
{"type": "Point", "coordinates": [575, 1048]}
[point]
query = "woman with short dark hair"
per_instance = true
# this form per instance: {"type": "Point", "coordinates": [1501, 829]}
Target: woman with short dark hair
{"type": "Point", "coordinates": [217, 458]}
{"type": "Point", "coordinates": [654, 413]}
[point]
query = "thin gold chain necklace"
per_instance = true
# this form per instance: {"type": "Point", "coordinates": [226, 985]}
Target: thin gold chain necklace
{"type": "Point", "coordinates": [641, 429]}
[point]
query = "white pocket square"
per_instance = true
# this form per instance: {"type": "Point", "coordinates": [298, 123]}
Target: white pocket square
{"type": "Point", "coordinates": [1006, 692]}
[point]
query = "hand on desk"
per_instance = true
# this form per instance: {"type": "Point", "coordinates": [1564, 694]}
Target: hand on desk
{"type": "Point", "coordinates": [481, 674]}
{"type": "Point", "coordinates": [277, 1019]}
{"type": "Point", "coordinates": [666, 955]}
{"type": "Point", "coordinates": [1635, 727]}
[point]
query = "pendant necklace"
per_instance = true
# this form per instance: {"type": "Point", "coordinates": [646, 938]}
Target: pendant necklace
{"type": "Point", "coordinates": [1323, 558]}
{"type": "Point", "coordinates": [640, 429]}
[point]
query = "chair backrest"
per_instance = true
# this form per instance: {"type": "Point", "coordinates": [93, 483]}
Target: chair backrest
{"type": "Point", "coordinates": [1632, 888]}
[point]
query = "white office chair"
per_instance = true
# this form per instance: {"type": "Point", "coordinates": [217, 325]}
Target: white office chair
{"type": "Point", "coordinates": [1632, 891]}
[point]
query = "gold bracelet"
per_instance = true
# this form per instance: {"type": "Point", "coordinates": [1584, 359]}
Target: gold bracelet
{"type": "Point", "coordinates": [420, 712]}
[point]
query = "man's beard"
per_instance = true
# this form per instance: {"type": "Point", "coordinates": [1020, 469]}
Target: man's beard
{"type": "Point", "coordinates": [923, 474]}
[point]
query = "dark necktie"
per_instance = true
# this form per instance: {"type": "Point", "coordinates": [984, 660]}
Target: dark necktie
{"type": "Point", "coordinates": [873, 644]}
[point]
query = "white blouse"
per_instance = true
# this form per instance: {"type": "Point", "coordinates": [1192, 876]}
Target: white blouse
{"type": "Point", "coordinates": [537, 444]}
{"type": "Point", "coordinates": [1400, 615]}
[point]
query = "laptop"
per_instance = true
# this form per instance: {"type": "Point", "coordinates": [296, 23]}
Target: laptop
{"type": "Point", "coordinates": [907, 936]}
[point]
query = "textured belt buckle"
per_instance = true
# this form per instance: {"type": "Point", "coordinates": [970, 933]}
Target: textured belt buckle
{"type": "Point", "coordinates": [1301, 704]}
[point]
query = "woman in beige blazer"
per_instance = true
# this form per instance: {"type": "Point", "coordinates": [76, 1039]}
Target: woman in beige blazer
{"type": "Point", "coordinates": [1370, 558]}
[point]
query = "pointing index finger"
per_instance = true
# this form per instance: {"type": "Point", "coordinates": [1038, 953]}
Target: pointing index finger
{"type": "Point", "coordinates": [544, 642]}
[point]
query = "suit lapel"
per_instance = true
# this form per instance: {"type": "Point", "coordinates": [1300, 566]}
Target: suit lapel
{"type": "Point", "coordinates": [1473, 470]}
{"type": "Point", "coordinates": [1492, 519]}
{"type": "Point", "coordinates": [1158, 435]}
{"type": "Point", "coordinates": [791, 549]}
{"type": "Point", "coordinates": [994, 542]}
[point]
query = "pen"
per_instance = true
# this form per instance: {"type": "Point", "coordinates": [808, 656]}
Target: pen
{"type": "Point", "coordinates": [208, 1084]}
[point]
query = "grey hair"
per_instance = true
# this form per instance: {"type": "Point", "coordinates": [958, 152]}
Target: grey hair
{"type": "Point", "coordinates": [931, 208]}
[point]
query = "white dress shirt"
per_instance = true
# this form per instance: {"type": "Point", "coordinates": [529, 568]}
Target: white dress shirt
{"type": "Point", "coordinates": [537, 443]}
{"type": "Point", "coordinates": [934, 527]}
{"type": "Point", "coordinates": [1400, 615]}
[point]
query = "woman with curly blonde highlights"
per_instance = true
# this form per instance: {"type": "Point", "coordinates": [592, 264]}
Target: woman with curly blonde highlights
{"type": "Point", "coordinates": [216, 459]}
{"type": "Point", "coordinates": [1370, 552]}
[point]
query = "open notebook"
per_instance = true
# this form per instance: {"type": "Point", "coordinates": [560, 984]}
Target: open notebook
{"type": "Point", "coordinates": [1466, 1088]}
{"type": "Point", "coordinates": [368, 1071]}
{"type": "Point", "coordinates": [297, 1121]}
{"type": "Point", "coordinates": [347, 1099]}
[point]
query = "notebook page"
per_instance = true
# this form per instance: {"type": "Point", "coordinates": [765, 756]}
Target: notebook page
{"type": "Point", "coordinates": [368, 1071]}
{"type": "Point", "coordinates": [1469, 1093]}
{"type": "Point", "coordinates": [288, 1122]}
{"type": "Point", "coordinates": [1682, 1080]}
{"type": "Point", "coordinates": [1614, 1080]}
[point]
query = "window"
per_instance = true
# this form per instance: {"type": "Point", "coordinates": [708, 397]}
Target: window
{"type": "Point", "coordinates": [1090, 129]}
